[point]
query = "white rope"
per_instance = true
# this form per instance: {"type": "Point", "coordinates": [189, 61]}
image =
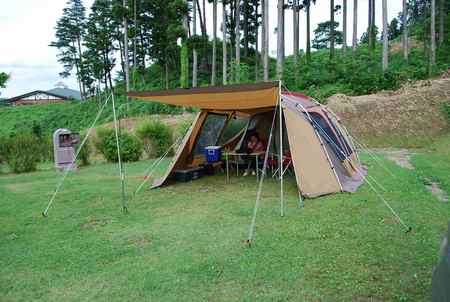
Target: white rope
{"type": "Point", "coordinates": [155, 164]}
{"type": "Point", "coordinates": [261, 180]}
{"type": "Point", "coordinates": [66, 172]}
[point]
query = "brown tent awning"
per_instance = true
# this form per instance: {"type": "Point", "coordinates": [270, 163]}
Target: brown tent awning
{"type": "Point", "coordinates": [230, 97]}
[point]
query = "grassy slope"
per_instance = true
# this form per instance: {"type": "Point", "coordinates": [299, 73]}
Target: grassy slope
{"type": "Point", "coordinates": [184, 242]}
{"type": "Point", "coordinates": [75, 116]}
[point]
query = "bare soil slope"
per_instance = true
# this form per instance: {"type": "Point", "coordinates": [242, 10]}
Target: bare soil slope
{"type": "Point", "coordinates": [407, 117]}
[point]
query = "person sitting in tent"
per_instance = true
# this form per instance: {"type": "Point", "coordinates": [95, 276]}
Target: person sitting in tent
{"type": "Point", "coordinates": [254, 144]}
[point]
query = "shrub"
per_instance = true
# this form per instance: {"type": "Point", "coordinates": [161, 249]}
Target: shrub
{"type": "Point", "coordinates": [46, 148]}
{"type": "Point", "coordinates": [446, 109]}
{"type": "Point", "coordinates": [21, 152]}
{"type": "Point", "coordinates": [130, 146]}
{"type": "Point", "coordinates": [183, 127]}
{"type": "Point", "coordinates": [157, 137]}
{"type": "Point", "coordinates": [85, 152]}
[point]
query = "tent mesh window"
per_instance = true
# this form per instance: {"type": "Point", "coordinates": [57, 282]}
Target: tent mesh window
{"type": "Point", "coordinates": [235, 125]}
{"type": "Point", "coordinates": [328, 135]}
{"type": "Point", "coordinates": [210, 133]}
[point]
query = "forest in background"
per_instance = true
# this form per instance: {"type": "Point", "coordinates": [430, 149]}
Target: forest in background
{"type": "Point", "coordinates": [156, 44]}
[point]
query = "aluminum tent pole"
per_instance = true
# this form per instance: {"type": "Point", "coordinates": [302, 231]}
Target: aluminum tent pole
{"type": "Point", "coordinates": [280, 157]}
{"type": "Point", "coordinates": [122, 177]}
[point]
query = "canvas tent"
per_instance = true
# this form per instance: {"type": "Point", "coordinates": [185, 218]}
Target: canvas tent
{"type": "Point", "coordinates": [323, 157]}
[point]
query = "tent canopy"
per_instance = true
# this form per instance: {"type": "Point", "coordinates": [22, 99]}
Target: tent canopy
{"type": "Point", "coordinates": [230, 97]}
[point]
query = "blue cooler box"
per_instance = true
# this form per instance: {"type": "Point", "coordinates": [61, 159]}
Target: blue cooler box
{"type": "Point", "coordinates": [212, 154]}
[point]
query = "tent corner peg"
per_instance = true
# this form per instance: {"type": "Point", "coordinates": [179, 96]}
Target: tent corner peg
{"type": "Point", "coordinates": [44, 215]}
{"type": "Point", "coordinates": [248, 242]}
{"type": "Point", "coordinates": [408, 230]}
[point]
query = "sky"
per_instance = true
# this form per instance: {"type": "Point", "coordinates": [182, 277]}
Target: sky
{"type": "Point", "coordinates": [27, 28]}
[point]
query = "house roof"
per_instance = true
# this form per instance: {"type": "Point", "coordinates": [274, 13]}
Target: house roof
{"type": "Point", "coordinates": [67, 92]}
{"type": "Point", "coordinates": [62, 93]}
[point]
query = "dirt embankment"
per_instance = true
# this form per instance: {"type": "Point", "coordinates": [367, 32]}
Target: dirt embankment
{"type": "Point", "coordinates": [404, 117]}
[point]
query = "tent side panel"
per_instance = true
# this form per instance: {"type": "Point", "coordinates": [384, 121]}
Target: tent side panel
{"type": "Point", "coordinates": [312, 169]}
{"type": "Point", "coordinates": [184, 149]}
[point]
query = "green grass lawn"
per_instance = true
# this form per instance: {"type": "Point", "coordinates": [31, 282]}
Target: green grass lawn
{"type": "Point", "coordinates": [185, 242]}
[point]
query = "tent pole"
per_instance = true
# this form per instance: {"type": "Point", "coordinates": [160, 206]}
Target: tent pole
{"type": "Point", "coordinates": [122, 177]}
{"type": "Point", "coordinates": [280, 157]}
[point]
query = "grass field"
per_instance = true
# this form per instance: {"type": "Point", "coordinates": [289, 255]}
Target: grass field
{"type": "Point", "coordinates": [185, 242]}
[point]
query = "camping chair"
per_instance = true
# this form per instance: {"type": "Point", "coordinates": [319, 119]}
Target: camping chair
{"type": "Point", "coordinates": [287, 164]}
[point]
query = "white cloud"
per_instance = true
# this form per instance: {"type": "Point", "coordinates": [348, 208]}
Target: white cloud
{"type": "Point", "coordinates": [27, 28]}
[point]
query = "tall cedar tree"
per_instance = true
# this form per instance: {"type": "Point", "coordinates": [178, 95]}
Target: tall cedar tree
{"type": "Point", "coordinates": [69, 35]}
{"type": "Point", "coordinates": [166, 22]}
{"type": "Point", "coordinates": [99, 41]}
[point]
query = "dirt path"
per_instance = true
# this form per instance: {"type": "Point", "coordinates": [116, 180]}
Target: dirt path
{"type": "Point", "coordinates": [402, 157]}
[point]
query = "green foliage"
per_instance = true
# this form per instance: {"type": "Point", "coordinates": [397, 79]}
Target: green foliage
{"type": "Point", "coordinates": [85, 152]}
{"type": "Point", "coordinates": [130, 146]}
{"type": "Point", "coordinates": [322, 35]}
{"type": "Point", "coordinates": [22, 152]}
{"type": "Point", "coordinates": [359, 73]}
{"type": "Point", "coordinates": [156, 136]}
{"type": "Point", "coordinates": [3, 79]}
{"type": "Point", "coordinates": [183, 128]}
{"type": "Point", "coordinates": [184, 76]}
{"type": "Point", "coordinates": [446, 109]}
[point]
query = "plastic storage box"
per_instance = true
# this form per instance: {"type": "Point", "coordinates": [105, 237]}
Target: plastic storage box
{"type": "Point", "coordinates": [212, 154]}
{"type": "Point", "coordinates": [188, 174]}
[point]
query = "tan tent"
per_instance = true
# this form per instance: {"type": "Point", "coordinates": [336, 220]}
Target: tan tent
{"type": "Point", "coordinates": [323, 157]}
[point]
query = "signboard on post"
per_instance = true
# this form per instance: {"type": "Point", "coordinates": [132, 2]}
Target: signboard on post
{"type": "Point", "coordinates": [64, 147]}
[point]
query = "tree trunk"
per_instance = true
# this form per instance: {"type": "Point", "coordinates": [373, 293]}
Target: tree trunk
{"type": "Point", "coordinates": [238, 41]}
{"type": "Point", "coordinates": [308, 32]}
{"type": "Point", "coordinates": [332, 30]}
{"type": "Point", "coordinates": [265, 39]}
{"type": "Point", "coordinates": [82, 86]}
{"type": "Point", "coordinates": [184, 55]}
{"type": "Point", "coordinates": [166, 73]}
{"type": "Point", "coordinates": [355, 26]}
{"type": "Point", "coordinates": [245, 6]}
{"type": "Point", "coordinates": [385, 37]}
{"type": "Point", "coordinates": [126, 55]}
{"type": "Point", "coordinates": [134, 39]}
{"type": "Point", "coordinates": [441, 22]}
{"type": "Point", "coordinates": [224, 43]}
{"type": "Point", "coordinates": [433, 33]}
{"type": "Point", "coordinates": [344, 27]}
{"type": "Point", "coordinates": [405, 30]}
{"type": "Point", "coordinates": [372, 28]}
{"type": "Point", "coordinates": [256, 46]}
{"type": "Point", "coordinates": [280, 33]}
{"type": "Point", "coordinates": [295, 14]}
{"type": "Point", "coordinates": [194, 51]}
{"type": "Point", "coordinates": [213, 67]}
{"type": "Point", "coordinates": [201, 19]}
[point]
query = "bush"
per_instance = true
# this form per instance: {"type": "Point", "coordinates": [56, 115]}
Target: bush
{"type": "Point", "coordinates": [85, 152]}
{"type": "Point", "coordinates": [157, 138]}
{"type": "Point", "coordinates": [21, 152]}
{"type": "Point", "coordinates": [183, 127]}
{"type": "Point", "coordinates": [130, 146]}
{"type": "Point", "coordinates": [46, 149]}
{"type": "Point", "coordinates": [446, 109]}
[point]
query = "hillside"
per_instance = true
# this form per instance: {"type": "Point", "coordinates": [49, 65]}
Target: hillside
{"type": "Point", "coordinates": [76, 116]}
{"type": "Point", "coordinates": [409, 117]}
